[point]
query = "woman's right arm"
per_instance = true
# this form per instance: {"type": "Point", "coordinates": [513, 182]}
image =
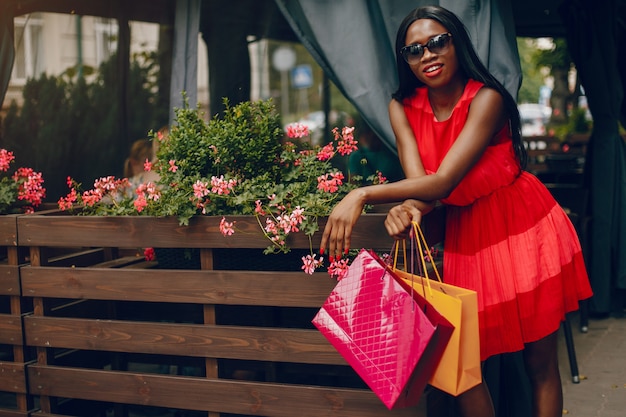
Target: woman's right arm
{"type": "Point", "coordinates": [405, 141]}
{"type": "Point", "coordinates": [399, 218]}
{"type": "Point", "coordinates": [338, 230]}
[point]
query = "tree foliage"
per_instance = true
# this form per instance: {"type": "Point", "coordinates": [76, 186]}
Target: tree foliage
{"type": "Point", "coordinates": [70, 127]}
{"type": "Point", "coordinates": [558, 60]}
{"type": "Point", "coordinates": [532, 79]}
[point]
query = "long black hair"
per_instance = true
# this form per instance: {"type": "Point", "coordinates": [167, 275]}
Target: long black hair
{"type": "Point", "coordinates": [469, 64]}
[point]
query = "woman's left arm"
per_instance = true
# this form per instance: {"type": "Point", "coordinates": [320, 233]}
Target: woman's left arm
{"type": "Point", "coordinates": [486, 117]}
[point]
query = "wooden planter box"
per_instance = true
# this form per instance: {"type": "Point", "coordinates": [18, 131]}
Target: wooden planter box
{"type": "Point", "coordinates": [111, 328]}
{"type": "Point", "coordinates": [14, 400]}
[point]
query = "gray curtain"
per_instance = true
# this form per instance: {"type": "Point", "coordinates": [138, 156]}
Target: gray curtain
{"type": "Point", "coordinates": [7, 52]}
{"type": "Point", "coordinates": [185, 59]}
{"type": "Point", "coordinates": [353, 41]}
{"type": "Point", "coordinates": [597, 42]}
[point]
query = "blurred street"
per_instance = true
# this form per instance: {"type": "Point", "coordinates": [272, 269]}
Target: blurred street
{"type": "Point", "coordinates": [601, 354]}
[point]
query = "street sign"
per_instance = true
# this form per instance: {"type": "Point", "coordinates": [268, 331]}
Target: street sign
{"type": "Point", "coordinates": [302, 76]}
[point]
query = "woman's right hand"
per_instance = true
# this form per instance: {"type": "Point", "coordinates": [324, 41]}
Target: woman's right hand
{"type": "Point", "coordinates": [338, 230]}
{"type": "Point", "coordinates": [400, 217]}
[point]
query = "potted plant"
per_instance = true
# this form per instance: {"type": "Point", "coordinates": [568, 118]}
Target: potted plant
{"type": "Point", "coordinates": [238, 163]}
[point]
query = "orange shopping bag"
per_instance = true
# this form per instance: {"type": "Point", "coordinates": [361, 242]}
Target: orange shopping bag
{"type": "Point", "coordinates": [459, 368]}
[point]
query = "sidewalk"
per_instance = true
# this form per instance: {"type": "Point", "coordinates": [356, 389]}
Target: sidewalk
{"type": "Point", "coordinates": [601, 354]}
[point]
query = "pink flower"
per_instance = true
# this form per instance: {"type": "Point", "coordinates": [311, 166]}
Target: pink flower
{"type": "Point", "coordinates": [386, 258]}
{"type": "Point", "coordinates": [221, 186]}
{"type": "Point", "coordinates": [258, 208]}
{"type": "Point", "coordinates": [91, 197]}
{"type": "Point", "coordinates": [30, 186]}
{"type": "Point", "coordinates": [173, 167]}
{"type": "Point", "coordinates": [226, 228]}
{"type": "Point", "coordinates": [149, 190]}
{"type": "Point", "coordinates": [338, 269]}
{"type": "Point", "coordinates": [147, 166]}
{"type": "Point", "coordinates": [324, 184]}
{"type": "Point", "coordinates": [430, 254]}
{"type": "Point", "coordinates": [346, 143]}
{"type": "Point", "coordinates": [148, 254]}
{"type": "Point", "coordinates": [297, 130]}
{"type": "Point", "coordinates": [326, 152]}
{"type": "Point", "coordinates": [330, 182]}
{"type": "Point", "coordinates": [278, 240]}
{"type": "Point", "coordinates": [67, 202]}
{"type": "Point", "coordinates": [200, 189]}
{"type": "Point", "coordinates": [309, 263]}
{"type": "Point", "coordinates": [296, 218]}
{"type": "Point", "coordinates": [6, 157]}
{"type": "Point", "coordinates": [285, 224]}
{"type": "Point", "coordinates": [111, 184]}
{"type": "Point", "coordinates": [113, 188]}
{"type": "Point", "coordinates": [140, 203]}
{"type": "Point", "coordinates": [146, 192]}
{"type": "Point", "coordinates": [271, 227]}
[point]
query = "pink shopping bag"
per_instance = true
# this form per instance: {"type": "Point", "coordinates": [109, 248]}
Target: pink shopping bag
{"type": "Point", "coordinates": [389, 335]}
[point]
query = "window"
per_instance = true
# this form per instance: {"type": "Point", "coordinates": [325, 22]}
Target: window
{"type": "Point", "coordinates": [29, 59]}
{"type": "Point", "coordinates": [106, 39]}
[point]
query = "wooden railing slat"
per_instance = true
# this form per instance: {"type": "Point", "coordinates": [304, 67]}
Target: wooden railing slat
{"type": "Point", "coordinates": [13, 377]}
{"type": "Point", "coordinates": [226, 396]}
{"type": "Point", "coordinates": [8, 230]}
{"type": "Point", "coordinates": [143, 231]}
{"type": "Point", "coordinates": [231, 342]}
{"type": "Point", "coordinates": [10, 329]}
{"type": "Point", "coordinates": [9, 280]}
{"type": "Point", "coordinates": [295, 289]}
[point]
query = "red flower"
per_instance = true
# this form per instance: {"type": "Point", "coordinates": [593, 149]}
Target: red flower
{"type": "Point", "coordinates": [148, 254]}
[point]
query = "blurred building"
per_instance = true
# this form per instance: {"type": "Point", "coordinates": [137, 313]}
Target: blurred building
{"type": "Point", "coordinates": [56, 43]}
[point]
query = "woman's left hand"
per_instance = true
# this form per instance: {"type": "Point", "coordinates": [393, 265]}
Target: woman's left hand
{"type": "Point", "coordinates": [338, 229]}
{"type": "Point", "coordinates": [400, 217]}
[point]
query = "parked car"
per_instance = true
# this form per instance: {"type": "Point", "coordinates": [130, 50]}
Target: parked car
{"type": "Point", "coordinates": [534, 118]}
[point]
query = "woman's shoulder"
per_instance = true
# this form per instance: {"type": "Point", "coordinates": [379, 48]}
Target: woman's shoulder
{"type": "Point", "coordinates": [472, 87]}
{"type": "Point", "coordinates": [418, 99]}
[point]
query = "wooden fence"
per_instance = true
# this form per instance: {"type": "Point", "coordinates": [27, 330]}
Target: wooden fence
{"type": "Point", "coordinates": [14, 354]}
{"type": "Point", "coordinates": [111, 332]}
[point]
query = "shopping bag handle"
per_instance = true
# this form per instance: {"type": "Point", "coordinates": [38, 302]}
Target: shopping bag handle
{"type": "Point", "coordinates": [395, 249]}
{"type": "Point", "coordinates": [420, 240]}
{"type": "Point", "coordinates": [411, 270]}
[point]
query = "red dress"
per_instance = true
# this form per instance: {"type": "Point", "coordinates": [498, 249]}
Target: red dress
{"type": "Point", "coordinates": [506, 237]}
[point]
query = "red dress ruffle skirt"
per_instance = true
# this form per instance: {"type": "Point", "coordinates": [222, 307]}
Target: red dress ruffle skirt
{"type": "Point", "coordinates": [506, 236]}
{"type": "Point", "coordinates": [518, 249]}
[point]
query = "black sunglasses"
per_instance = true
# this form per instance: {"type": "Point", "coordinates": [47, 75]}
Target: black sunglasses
{"type": "Point", "coordinates": [437, 45]}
